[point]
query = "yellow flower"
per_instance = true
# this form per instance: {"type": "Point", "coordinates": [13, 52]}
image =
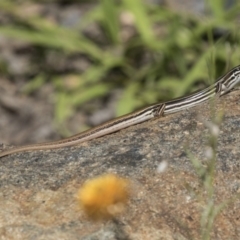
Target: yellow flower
{"type": "Point", "coordinates": [104, 197]}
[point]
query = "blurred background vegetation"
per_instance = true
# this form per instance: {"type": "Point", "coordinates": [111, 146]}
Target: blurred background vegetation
{"type": "Point", "coordinates": [132, 53]}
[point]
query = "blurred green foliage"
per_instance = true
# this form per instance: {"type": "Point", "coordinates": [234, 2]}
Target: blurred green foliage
{"type": "Point", "coordinates": [169, 53]}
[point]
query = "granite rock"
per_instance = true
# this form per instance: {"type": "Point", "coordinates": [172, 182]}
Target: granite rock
{"type": "Point", "coordinates": [38, 189]}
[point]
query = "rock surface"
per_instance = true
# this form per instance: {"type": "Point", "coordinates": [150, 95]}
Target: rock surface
{"type": "Point", "coordinates": [38, 189]}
